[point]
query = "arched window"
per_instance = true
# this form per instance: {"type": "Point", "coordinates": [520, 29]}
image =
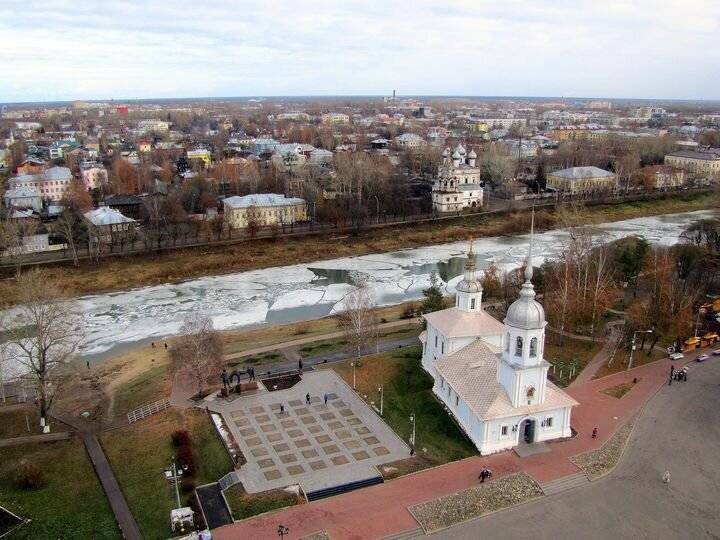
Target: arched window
{"type": "Point", "coordinates": [472, 303]}
{"type": "Point", "coordinates": [507, 342]}
{"type": "Point", "coordinates": [533, 347]}
{"type": "Point", "coordinates": [518, 346]}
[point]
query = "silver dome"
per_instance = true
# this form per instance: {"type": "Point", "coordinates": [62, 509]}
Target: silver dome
{"type": "Point", "coordinates": [526, 312]}
{"type": "Point", "coordinates": [473, 286]}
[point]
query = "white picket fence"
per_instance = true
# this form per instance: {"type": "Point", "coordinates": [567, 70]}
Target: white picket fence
{"type": "Point", "coordinates": [147, 410]}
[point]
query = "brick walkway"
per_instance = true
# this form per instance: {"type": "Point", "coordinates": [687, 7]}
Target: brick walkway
{"type": "Point", "coordinates": [346, 516]}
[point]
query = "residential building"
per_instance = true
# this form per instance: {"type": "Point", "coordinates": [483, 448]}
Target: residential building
{"type": "Point", "coordinates": [107, 225]}
{"type": "Point", "coordinates": [457, 185]}
{"type": "Point", "coordinates": [157, 126]}
{"type": "Point", "coordinates": [23, 197]}
{"type": "Point", "coordinates": [93, 174]}
{"type": "Point", "coordinates": [705, 163]}
{"type": "Point", "coordinates": [491, 376]}
{"type": "Point", "coordinates": [51, 183]}
{"type": "Point", "coordinates": [582, 180]}
{"type": "Point", "coordinates": [410, 141]}
{"type": "Point", "coordinates": [128, 205]}
{"type": "Point", "coordinates": [32, 166]}
{"type": "Point", "coordinates": [335, 118]}
{"type": "Point", "coordinates": [5, 159]}
{"type": "Point", "coordinates": [320, 156]}
{"type": "Point", "coordinates": [264, 209]}
{"type": "Point", "coordinates": [264, 146]}
{"type": "Point", "coordinates": [200, 155]}
{"type": "Point", "coordinates": [58, 148]}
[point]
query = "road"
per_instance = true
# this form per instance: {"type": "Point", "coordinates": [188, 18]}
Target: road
{"type": "Point", "coordinates": [678, 431]}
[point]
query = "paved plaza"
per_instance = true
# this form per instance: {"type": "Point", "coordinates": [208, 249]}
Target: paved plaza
{"type": "Point", "coordinates": [318, 445]}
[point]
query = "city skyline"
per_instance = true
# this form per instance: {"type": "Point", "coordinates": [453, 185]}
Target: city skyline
{"type": "Point", "coordinates": [128, 50]}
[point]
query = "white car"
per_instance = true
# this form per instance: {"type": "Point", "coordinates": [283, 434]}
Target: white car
{"type": "Point", "coordinates": [677, 356]}
{"type": "Point", "coordinates": [716, 352]}
{"type": "Point", "coordinates": [702, 357]}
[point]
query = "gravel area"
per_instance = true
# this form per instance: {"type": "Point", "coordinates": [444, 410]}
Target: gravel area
{"type": "Point", "coordinates": [476, 501]}
{"type": "Point", "coordinates": [321, 535]}
{"type": "Point", "coordinates": [600, 462]}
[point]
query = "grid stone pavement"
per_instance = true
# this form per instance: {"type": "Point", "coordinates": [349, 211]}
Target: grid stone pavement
{"type": "Point", "coordinates": [314, 445]}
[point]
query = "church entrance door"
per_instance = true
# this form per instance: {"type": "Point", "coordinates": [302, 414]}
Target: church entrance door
{"type": "Point", "coordinates": [527, 431]}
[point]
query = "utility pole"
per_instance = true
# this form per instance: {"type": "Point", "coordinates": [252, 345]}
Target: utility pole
{"type": "Point", "coordinates": [174, 475]}
{"type": "Point", "coordinates": [380, 389]}
{"type": "Point", "coordinates": [632, 345]}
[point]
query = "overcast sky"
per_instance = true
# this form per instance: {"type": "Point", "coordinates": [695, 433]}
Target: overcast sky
{"type": "Point", "coordinates": [92, 49]}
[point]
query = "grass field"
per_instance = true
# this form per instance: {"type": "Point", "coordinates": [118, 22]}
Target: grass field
{"type": "Point", "coordinates": [408, 390]}
{"type": "Point", "coordinates": [146, 387]}
{"type": "Point", "coordinates": [619, 390]}
{"type": "Point", "coordinates": [569, 355]}
{"type": "Point", "coordinates": [14, 424]}
{"type": "Point", "coordinates": [70, 505]}
{"type": "Point", "coordinates": [244, 505]}
{"type": "Point", "coordinates": [620, 362]}
{"type": "Point", "coordinates": [140, 452]}
{"type": "Point", "coordinates": [173, 266]}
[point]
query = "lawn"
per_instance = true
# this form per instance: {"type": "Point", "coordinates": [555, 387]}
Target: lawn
{"type": "Point", "coordinates": [244, 505]}
{"type": "Point", "coordinates": [140, 452]}
{"type": "Point", "coordinates": [620, 362]}
{"type": "Point", "coordinates": [568, 356]}
{"type": "Point", "coordinates": [618, 391]}
{"type": "Point", "coordinates": [407, 390]}
{"type": "Point", "coordinates": [148, 386]}
{"type": "Point", "coordinates": [14, 424]}
{"type": "Point", "coordinates": [318, 348]}
{"type": "Point", "coordinates": [71, 504]}
{"type": "Point", "coordinates": [257, 360]}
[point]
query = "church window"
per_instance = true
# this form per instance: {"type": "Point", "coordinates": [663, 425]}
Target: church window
{"type": "Point", "coordinates": [457, 400]}
{"type": "Point", "coordinates": [472, 303]}
{"type": "Point", "coordinates": [504, 431]}
{"type": "Point", "coordinates": [436, 341]}
{"type": "Point", "coordinates": [518, 346]}
{"type": "Point", "coordinates": [442, 347]}
{"type": "Point", "coordinates": [507, 342]}
{"type": "Point", "coordinates": [548, 421]}
{"type": "Point", "coordinates": [533, 347]}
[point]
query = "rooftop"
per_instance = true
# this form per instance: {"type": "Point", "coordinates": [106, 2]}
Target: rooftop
{"type": "Point", "coordinates": [262, 200]}
{"type": "Point", "coordinates": [582, 172]}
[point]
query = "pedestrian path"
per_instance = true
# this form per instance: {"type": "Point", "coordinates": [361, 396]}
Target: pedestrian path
{"type": "Point", "coordinates": [602, 356]}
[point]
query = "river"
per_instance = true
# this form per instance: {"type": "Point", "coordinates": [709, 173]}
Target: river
{"type": "Point", "coordinates": [307, 291]}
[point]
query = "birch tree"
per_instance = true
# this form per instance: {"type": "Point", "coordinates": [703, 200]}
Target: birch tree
{"type": "Point", "coordinates": [358, 319]}
{"type": "Point", "coordinates": [44, 338]}
{"type": "Point", "coordinates": [198, 351]}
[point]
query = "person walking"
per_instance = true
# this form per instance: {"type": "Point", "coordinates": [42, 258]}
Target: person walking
{"type": "Point", "coordinates": [666, 477]}
{"type": "Point", "coordinates": [300, 366]}
{"type": "Point", "coordinates": [594, 432]}
{"type": "Point", "coordinates": [325, 398]}
{"type": "Point", "coordinates": [672, 372]}
{"type": "Point", "coordinates": [483, 475]}
{"type": "Point", "coordinates": [282, 408]}
{"type": "Point", "coordinates": [307, 398]}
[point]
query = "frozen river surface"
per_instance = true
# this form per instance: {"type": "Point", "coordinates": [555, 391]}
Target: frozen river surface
{"type": "Point", "coordinates": [308, 291]}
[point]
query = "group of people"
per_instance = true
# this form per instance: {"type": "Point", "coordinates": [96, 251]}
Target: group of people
{"type": "Point", "coordinates": [679, 375]}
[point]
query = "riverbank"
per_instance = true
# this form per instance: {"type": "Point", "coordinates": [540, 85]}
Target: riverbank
{"type": "Point", "coordinates": [134, 271]}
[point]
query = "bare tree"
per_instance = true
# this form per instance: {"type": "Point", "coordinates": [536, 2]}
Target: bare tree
{"type": "Point", "coordinates": [70, 226]}
{"type": "Point", "coordinates": [198, 351]}
{"type": "Point", "coordinates": [44, 338]}
{"type": "Point", "coordinates": [358, 319]}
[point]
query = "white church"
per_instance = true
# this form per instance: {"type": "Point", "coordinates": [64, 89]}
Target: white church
{"type": "Point", "coordinates": [457, 185]}
{"type": "Point", "coordinates": [490, 375]}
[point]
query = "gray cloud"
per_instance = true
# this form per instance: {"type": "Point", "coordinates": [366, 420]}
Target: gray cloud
{"type": "Point", "coordinates": [64, 49]}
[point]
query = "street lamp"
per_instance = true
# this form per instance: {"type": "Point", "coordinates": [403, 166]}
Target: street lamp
{"type": "Point", "coordinates": [632, 345]}
{"type": "Point", "coordinates": [174, 475]}
{"type": "Point", "coordinates": [380, 389]}
{"type": "Point", "coordinates": [412, 437]}
{"type": "Point", "coordinates": [282, 530]}
{"type": "Point", "coordinates": [701, 311]}
{"type": "Point", "coordinates": [354, 364]}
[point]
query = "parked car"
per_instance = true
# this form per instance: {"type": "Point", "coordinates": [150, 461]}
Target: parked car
{"type": "Point", "coordinates": [677, 356]}
{"type": "Point", "coordinates": [702, 357]}
{"type": "Point", "coordinates": [716, 352]}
